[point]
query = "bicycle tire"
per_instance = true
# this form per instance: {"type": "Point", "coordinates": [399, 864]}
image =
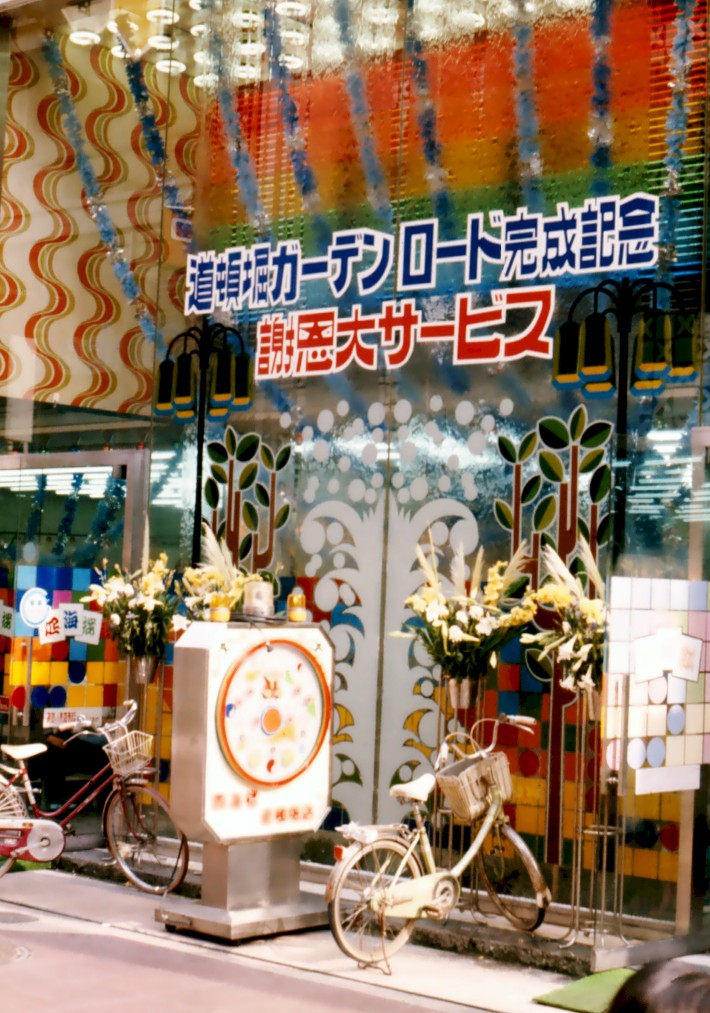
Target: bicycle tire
{"type": "Point", "coordinates": [12, 806]}
{"type": "Point", "coordinates": [512, 878]}
{"type": "Point", "coordinates": [360, 932]}
{"type": "Point", "coordinates": [143, 839]}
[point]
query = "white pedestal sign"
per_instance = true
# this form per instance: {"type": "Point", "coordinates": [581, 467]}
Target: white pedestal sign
{"type": "Point", "coordinates": [250, 773]}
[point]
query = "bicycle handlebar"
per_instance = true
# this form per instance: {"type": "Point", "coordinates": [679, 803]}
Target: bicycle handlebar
{"type": "Point", "coordinates": [521, 721]}
{"type": "Point", "coordinates": [112, 729]}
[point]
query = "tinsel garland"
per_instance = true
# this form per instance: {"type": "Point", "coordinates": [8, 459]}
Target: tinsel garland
{"type": "Point", "coordinates": [600, 129]}
{"type": "Point", "coordinates": [676, 134]}
{"type": "Point", "coordinates": [236, 146]}
{"type": "Point", "coordinates": [33, 521]}
{"type": "Point", "coordinates": [302, 171]}
{"type": "Point", "coordinates": [360, 111]}
{"type": "Point", "coordinates": [529, 161]}
{"type": "Point", "coordinates": [94, 196]}
{"type": "Point", "coordinates": [426, 115]}
{"type": "Point", "coordinates": [69, 516]}
{"type": "Point", "coordinates": [104, 529]}
{"type": "Point", "coordinates": [155, 146]}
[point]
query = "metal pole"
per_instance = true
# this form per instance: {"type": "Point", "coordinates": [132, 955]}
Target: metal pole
{"type": "Point", "coordinates": [203, 360]}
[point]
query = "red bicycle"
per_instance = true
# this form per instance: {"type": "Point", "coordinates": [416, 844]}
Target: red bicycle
{"type": "Point", "coordinates": [140, 833]}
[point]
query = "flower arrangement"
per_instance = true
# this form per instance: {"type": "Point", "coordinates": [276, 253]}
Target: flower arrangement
{"type": "Point", "coordinates": [140, 607]}
{"type": "Point", "coordinates": [464, 624]}
{"type": "Point", "coordinates": [216, 583]}
{"type": "Point", "coordinates": [578, 634]}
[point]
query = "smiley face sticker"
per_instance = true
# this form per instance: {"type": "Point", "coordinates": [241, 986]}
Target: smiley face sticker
{"type": "Point", "coordinates": [34, 606]}
{"type": "Point", "coordinates": [273, 712]}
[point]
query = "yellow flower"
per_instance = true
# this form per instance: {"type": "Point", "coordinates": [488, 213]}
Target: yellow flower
{"type": "Point", "coordinates": [592, 609]}
{"type": "Point", "coordinates": [554, 594]}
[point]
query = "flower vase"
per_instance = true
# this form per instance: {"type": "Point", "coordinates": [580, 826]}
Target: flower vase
{"type": "Point", "coordinates": [143, 667]}
{"type": "Point", "coordinates": [460, 693]}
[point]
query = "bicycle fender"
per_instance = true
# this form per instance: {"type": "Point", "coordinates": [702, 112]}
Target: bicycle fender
{"type": "Point", "coordinates": [335, 871]}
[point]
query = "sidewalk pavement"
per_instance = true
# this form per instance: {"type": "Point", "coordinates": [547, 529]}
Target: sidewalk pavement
{"type": "Point", "coordinates": [36, 904]}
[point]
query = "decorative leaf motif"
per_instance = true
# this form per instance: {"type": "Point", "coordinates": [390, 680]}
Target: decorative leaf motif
{"type": "Point", "coordinates": [530, 489]}
{"type": "Point", "coordinates": [247, 476]}
{"type": "Point", "coordinates": [596, 435]}
{"type": "Point", "coordinates": [604, 529]}
{"type": "Point", "coordinates": [217, 452]}
{"type": "Point", "coordinates": [545, 513]}
{"type": "Point", "coordinates": [211, 494]}
{"type": "Point", "coordinates": [247, 447]}
{"type": "Point", "coordinates": [600, 484]}
{"type": "Point", "coordinates": [506, 449]}
{"type": "Point", "coordinates": [578, 422]}
{"type": "Point", "coordinates": [267, 457]}
{"type": "Point", "coordinates": [221, 531]}
{"type": "Point", "coordinates": [219, 473]}
{"type": "Point", "coordinates": [583, 528]}
{"type": "Point", "coordinates": [527, 446]}
{"type": "Point", "coordinates": [282, 516]}
{"type": "Point", "coordinates": [539, 668]}
{"type": "Point", "coordinates": [245, 546]}
{"type": "Point", "coordinates": [250, 516]}
{"type": "Point", "coordinates": [504, 515]}
{"type": "Point", "coordinates": [591, 460]}
{"type": "Point", "coordinates": [283, 457]}
{"type": "Point", "coordinates": [551, 466]}
{"type": "Point", "coordinates": [262, 494]}
{"type": "Point", "coordinates": [553, 433]}
{"type": "Point", "coordinates": [230, 441]}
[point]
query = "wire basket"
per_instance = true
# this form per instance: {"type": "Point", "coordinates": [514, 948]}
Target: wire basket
{"type": "Point", "coordinates": [132, 752]}
{"type": "Point", "coordinates": [466, 784]}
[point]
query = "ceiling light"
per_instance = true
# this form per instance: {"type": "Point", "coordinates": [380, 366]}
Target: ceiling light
{"type": "Point", "coordinates": [163, 43]}
{"type": "Point", "coordinates": [170, 66]}
{"type": "Point", "coordinates": [198, 30]}
{"type": "Point", "coordinates": [84, 37]}
{"type": "Point", "coordinates": [206, 80]}
{"type": "Point", "coordinates": [163, 16]}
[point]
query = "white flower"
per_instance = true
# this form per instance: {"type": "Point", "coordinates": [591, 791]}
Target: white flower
{"type": "Point", "coordinates": [179, 623]}
{"type": "Point", "coordinates": [456, 634]}
{"type": "Point", "coordinates": [486, 626]}
{"type": "Point", "coordinates": [566, 650]}
{"type": "Point", "coordinates": [435, 610]}
{"type": "Point", "coordinates": [115, 619]}
{"type": "Point", "coordinates": [568, 683]}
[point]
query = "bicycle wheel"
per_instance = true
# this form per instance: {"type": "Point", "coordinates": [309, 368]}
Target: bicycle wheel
{"type": "Point", "coordinates": [366, 935]}
{"type": "Point", "coordinates": [140, 833]}
{"type": "Point", "coordinates": [512, 878]}
{"type": "Point", "coordinates": [12, 806]}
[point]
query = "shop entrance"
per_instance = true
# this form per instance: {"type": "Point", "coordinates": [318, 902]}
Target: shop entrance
{"type": "Point", "coordinates": [62, 517]}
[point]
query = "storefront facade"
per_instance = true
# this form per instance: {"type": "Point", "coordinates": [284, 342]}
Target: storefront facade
{"type": "Point", "coordinates": [464, 247]}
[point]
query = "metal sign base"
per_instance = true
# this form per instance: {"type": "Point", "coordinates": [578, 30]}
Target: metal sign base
{"type": "Point", "coordinates": [248, 890]}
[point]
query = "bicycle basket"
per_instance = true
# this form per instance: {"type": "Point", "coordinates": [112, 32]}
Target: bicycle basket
{"type": "Point", "coordinates": [132, 752]}
{"type": "Point", "coordinates": [465, 784]}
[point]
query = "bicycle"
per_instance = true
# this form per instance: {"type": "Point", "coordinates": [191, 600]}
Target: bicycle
{"type": "Point", "coordinates": [140, 833]}
{"type": "Point", "coordinates": [386, 878]}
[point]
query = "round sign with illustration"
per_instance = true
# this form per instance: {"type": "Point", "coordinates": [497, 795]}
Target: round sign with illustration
{"type": "Point", "coordinates": [273, 713]}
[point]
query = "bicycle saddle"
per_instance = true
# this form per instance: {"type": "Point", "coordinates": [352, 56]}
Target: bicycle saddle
{"type": "Point", "coordinates": [24, 752]}
{"type": "Point", "coordinates": [418, 790]}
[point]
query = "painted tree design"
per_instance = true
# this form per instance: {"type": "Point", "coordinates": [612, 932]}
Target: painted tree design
{"type": "Point", "coordinates": [241, 491]}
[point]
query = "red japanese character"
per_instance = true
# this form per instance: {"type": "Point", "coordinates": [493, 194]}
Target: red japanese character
{"type": "Point", "coordinates": [354, 349]}
{"type": "Point", "coordinates": [398, 323]}
{"type": "Point", "coordinates": [533, 340]}
{"type": "Point", "coordinates": [274, 348]}
{"type": "Point", "coordinates": [467, 347]}
{"type": "Point", "coordinates": [314, 341]}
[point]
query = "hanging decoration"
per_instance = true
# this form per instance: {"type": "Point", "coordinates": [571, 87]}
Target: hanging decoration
{"type": "Point", "coordinates": [600, 129]}
{"type": "Point", "coordinates": [426, 115]}
{"type": "Point", "coordinates": [33, 521]}
{"type": "Point", "coordinates": [676, 134]}
{"type": "Point", "coordinates": [66, 523]}
{"type": "Point", "coordinates": [360, 111]}
{"type": "Point", "coordinates": [95, 203]}
{"type": "Point", "coordinates": [153, 140]}
{"type": "Point", "coordinates": [105, 528]}
{"type": "Point", "coordinates": [302, 171]}
{"type": "Point", "coordinates": [235, 144]}
{"type": "Point", "coordinates": [529, 161]}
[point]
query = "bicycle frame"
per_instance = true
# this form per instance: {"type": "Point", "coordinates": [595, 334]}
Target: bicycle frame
{"type": "Point", "coordinates": [411, 897]}
{"type": "Point", "coordinates": [76, 804]}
